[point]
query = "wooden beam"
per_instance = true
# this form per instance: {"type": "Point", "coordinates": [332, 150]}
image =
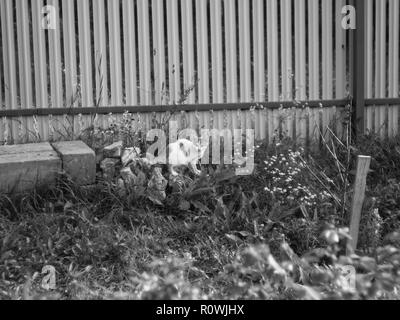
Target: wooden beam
{"type": "Point", "coordinates": [363, 163]}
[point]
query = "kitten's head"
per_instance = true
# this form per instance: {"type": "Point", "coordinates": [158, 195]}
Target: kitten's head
{"type": "Point", "coordinates": [194, 151]}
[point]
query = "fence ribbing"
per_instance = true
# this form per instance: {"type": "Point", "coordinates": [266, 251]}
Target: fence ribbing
{"type": "Point", "coordinates": [141, 52]}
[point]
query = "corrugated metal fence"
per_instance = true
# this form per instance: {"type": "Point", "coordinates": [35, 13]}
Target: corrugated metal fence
{"type": "Point", "coordinates": [382, 64]}
{"type": "Point", "coordinates": [217, 57]}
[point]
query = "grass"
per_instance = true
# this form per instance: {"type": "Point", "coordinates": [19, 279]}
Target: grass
{"type": "Point", "coordinates": [215, 238]}
{"type": "Point", "coordinates": [103, 247]}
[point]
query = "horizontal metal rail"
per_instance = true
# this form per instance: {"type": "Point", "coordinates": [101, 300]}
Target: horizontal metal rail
{"type": "Point", "coordinates": [382, 102]}
{"type": "Point", "coordinates": [165, 108]}
{"type": "Point", "coordinates": [188, 107]}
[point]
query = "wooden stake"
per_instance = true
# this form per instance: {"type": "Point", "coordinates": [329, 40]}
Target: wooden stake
{"type": "Point", "coordinates": [363, 163]}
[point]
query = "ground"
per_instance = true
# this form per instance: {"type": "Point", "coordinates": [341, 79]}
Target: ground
{"type": "Point", "coordinates": [277, 234]}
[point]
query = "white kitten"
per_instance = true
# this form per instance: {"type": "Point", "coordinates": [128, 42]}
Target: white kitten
{"type": "Point", "coordinates": [184, 152]}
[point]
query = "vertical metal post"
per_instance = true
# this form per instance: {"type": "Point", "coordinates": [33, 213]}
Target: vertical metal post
{"type": "Point", "coordinates": [358, 67]}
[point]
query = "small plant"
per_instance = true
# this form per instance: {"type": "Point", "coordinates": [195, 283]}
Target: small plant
{"type": "Point", "coordinates": [127, 129]}
{"type": "Point", "coordinates": [371, 227]}
{"type": "Point", "coordinates": [257, 274]}
{"type": "Point", "coordinates": [286, 183]}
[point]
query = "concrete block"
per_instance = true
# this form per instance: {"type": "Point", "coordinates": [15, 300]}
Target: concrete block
{"type": "Point", "coordinates": [26, 166]}
{"type": "Point", "coordinates": [79, 161]}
